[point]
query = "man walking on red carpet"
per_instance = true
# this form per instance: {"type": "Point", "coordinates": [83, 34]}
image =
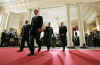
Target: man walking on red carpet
{"type": "Point", "coordinates": [36, 28]}
{"type": "Point", "coordinates": [63, 38]}
{"type": "Point", "coordinates": [48, 36]}
{"type": "Point", "coordinates": [25, 37]}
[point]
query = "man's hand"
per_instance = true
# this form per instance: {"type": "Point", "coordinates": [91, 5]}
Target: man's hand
{"type": "Point", "coordinates": [39, 30]}
{"type": "Point", "coordinates": [62, 34]}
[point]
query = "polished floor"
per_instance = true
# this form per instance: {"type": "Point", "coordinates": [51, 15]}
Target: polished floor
{"type": "Point", "coordinates": [10, 56]}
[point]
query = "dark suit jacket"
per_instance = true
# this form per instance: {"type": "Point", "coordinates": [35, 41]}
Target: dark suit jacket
{"type": "Point", "coordinates": [63, 31]}
{"type": "Point", "coordinates": [3, 35]}
{"type": "Point", "coordinates": [48, 32]}
{"type": "Point", "coordinates": [36, 23]}
{"type": "Point", "coordinates": [25, 30]}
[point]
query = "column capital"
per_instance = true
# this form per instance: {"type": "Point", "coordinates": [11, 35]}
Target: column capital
{"type": "Point", "coordinates": [67, 5]}
{"type": "Point", "coordinates": [97, 15]}
{"type": "Point", "coordinates": [30, 9]}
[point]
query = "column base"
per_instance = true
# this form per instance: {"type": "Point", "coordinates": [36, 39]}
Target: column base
{"type": "Point", "coordinates": [71, 47]}
{"type": "Point", "coordinates": [84, 46]}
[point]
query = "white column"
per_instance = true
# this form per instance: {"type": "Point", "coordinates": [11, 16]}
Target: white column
{"type": "Point", "coordinates": [20, 24]}
{"type": "Point", "coordinates": [6, 25]}
{"type": "Point", "coordinates": [85, 26]}
{"type": "Point", "coordinates": [81, 28]}
{"type": "Point", "coordinates": [97, 18]}
{"type": "Point", "coordinates": [29, 15]}
{"type": "Point", "coordinates": [69, 28]}
{"type": "Point", "coordinates": [98, 22]}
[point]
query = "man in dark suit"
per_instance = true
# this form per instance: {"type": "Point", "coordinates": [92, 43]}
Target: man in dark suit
{"type": "Point", "coordinates": [62, 32]}
{"type": "Point", "coordinates": [4, 38]}
{"type": "Point", "coordinates": [26, 37]}
{"type": "Point", "coordinates": [48, 36]}
{"type": "Point", "coordinates": [36, 28]}
{"type": "Point", "coordinates": [76, 39]}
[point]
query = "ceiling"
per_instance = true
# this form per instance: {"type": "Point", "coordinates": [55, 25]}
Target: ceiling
{"type": "Point", "coordinates": [23, 5]}
{"type": "Point", "coordinates": [87, 6]}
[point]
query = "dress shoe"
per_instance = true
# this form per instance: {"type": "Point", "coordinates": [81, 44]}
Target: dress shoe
{"type": "Point", "coordinates": [63, 50]}
{"type": "Point", "coordinates": [31, 54]}
{"type": "Point", "coordinates": [19, 51]}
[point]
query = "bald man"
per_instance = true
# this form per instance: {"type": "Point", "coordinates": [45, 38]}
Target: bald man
{"type": "Point", "coordinates": [62, 32]}
{"type": "Point", "coordinates": [48, 36]}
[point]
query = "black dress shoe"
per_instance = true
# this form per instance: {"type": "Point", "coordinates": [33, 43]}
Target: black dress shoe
{"type": "Point", "coordinates": [31, 54]}
{"type": "Point", "coordinates": [48, 50]}
{"type": "Point", "coordinates": [63, 50]}
{"type": "Point", "coordinates": [19, 51]}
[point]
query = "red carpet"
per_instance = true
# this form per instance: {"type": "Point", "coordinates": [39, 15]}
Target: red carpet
{"type": "Point", "coordinates": [9, 56]}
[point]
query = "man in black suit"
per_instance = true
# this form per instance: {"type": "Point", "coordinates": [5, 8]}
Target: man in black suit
{"type": "Point", "coordinates": [48, 36]}
{"type": "Point", "coordinates": [26, 37]}
{"type": "Point", "coordinates": [76, 39]}
{"type": "Point", "coordinates": [36, 28]}
{"type": "Point", "coordinates": [62, 32]}
{"type": "Point", "coordinates": [4, 38]}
